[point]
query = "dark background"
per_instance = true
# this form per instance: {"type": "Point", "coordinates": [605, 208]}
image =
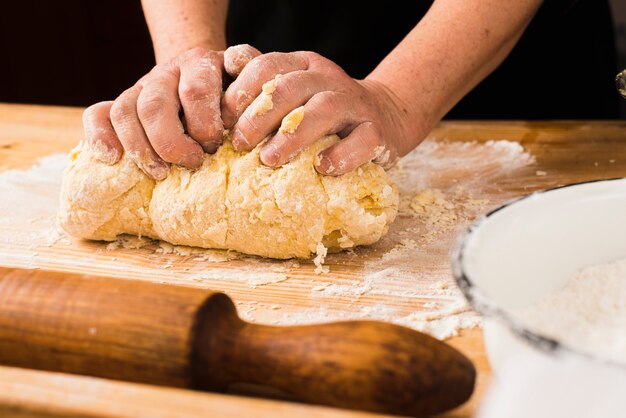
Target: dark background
{"type": "Point", "coordinates": [76, 52]}
{"type": "Point", "coordinates": [71, 52]}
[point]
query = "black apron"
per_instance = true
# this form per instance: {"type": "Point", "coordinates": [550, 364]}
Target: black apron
{"type": "Point", "coordinates": [562, 68]}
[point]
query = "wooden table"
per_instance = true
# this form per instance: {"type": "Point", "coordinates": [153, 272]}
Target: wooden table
{"type": "Point", "coordinates": [564, 152]}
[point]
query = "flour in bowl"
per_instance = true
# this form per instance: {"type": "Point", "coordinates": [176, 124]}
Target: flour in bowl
{"type": "Point", "coordinates": [589, 314]}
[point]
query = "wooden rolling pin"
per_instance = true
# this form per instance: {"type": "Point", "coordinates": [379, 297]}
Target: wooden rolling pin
{"type": "Point", "coordinates": [192, 338]}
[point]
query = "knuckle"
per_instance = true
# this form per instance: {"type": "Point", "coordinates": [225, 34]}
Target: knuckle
{"type": "Point", "coordinates": [325, 99]}
{"type": "Point", "coordinates": [287, 86]}
{"type": "Point", "coordinates": [316, 60]}
{"type": "Point", "coordinates": [329, 105]}
{"type": "Point", "coordinates": [150, 105]}
{"type": "Point", "coordinates": [191, 91]}
{"type": "Point", "coordinates": [122, 109]}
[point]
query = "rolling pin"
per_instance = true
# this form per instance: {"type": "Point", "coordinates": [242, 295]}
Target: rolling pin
{"type": "Point", "coordinates": [158, 334]}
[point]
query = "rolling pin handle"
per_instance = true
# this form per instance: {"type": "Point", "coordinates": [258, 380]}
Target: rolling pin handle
{"type": "Point", "coordinates": [364, 365]}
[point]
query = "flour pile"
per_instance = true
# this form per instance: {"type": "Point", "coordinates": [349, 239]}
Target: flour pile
{"type": "Point", "coordinates": [589, 314]}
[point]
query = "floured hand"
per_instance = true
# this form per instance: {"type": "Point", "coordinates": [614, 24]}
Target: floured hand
{"type": "Point", "coordinates": [146, 120]}
{"type": "Point", "coordinates": [303, 96]}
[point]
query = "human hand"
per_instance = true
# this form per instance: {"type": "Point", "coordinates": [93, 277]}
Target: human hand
{"type": "Point", "coordinates": [145, 120]}
{"type": "Point", "coordinates": [367, 116]}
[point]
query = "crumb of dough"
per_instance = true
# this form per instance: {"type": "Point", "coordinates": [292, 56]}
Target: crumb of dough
{"type": "Point", "coordinates": [264, 103]}
{"type": "Point", "coordinates": [540, 173]}
{"type": "Point", "coordinates": [128, 242]}
{"type": "Point", "coordinates": [441, 285]}
{"type": "Point", "coordinates": [270, 86]}
{"type": "Point", "coordinates": [434, 208]}
{"type": "Point", "coordinates": [321, 252]}
{"type": "Point", "coordinates": [291, 122]}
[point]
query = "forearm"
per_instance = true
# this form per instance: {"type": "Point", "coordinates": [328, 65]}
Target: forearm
{"type": "Point", "coordinates": [179, 25]}
{"type": "Point", "coordinates": [454, 47]}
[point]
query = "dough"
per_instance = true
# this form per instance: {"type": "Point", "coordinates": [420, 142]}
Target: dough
{"type": "Point", "coordinates": [232, 202]}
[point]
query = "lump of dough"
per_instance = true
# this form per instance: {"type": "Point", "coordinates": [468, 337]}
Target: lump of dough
{"type": "Point", "coordinates": [100, 201]}
{"type": "Point", "coordinates": [232, 202]}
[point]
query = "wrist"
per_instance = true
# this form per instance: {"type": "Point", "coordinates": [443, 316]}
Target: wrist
{"type": "Point", "coordinates": [177, 26]}
{"type": "Point", "coordinates": [167, 49]}
{"type": "Point", "coordinates": [406, 119]}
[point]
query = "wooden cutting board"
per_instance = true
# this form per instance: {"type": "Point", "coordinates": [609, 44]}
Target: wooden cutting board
{"type": "Point", "coordinates": [471, 167]}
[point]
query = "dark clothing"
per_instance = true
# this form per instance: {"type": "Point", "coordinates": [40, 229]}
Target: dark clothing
{"type": "Point", "coordinates": [77, 52]}
{"type": "Point", "coordinates": [563, 66]}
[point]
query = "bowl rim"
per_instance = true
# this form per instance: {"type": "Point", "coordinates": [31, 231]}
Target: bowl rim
{"type": "Point", "coordinates": [487, 307]}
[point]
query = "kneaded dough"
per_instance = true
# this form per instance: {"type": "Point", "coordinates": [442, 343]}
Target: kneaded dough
{"type": "Point", "coordinates": [232, 202]}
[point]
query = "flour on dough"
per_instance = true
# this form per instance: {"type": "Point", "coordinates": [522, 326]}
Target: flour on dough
{"type": "Point", "coordinates": [232, 202]}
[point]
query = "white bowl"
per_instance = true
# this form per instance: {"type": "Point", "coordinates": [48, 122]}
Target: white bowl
{"type": "Point", "coordinates": [522, 252]}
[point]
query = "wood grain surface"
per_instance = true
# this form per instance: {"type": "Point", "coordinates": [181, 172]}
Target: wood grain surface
{"type": "Point", "coordinates": [564, 152]}
{"type": "Point", "coordinates": [184, 337]}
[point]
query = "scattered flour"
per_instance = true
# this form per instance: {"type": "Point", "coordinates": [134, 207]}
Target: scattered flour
{"type": "Point", "coordinates": [24, 192]}
{"type": "Point", "coordinates": [440, 214]}
{"type": "Point", "coordinates": [446, 326]}
{"type": "Point", "coordinates": [128, 242]}
{"type": "Point", "coordinates": [262, 279]}
{"type": "Point", "coordinates": [589, 313]}
{"type": "Point", "coordinates": [435, 208]}
{"type": "Point", "coordinates": [199, 254]}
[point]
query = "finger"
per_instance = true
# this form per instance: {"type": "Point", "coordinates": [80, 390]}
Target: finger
{"type": "Point", "coordinates": [362, 145]}
{"type": "Point", "coordinates": [200, 90]}
{"type": "Point", "coordinates": [249, 84]}
{"type": "Point", "coordinates": [237, 57]}
{"type": "Point", "coordinates": [279, 97]}
{"type": "Point", "coordinates": [132, 136]}
{"type": "Point", "coordinates": [158, 107]}
{"type": "Point", "coordinates": [100, 135]}
{"type": "Point", "coordinates": [325, 113]}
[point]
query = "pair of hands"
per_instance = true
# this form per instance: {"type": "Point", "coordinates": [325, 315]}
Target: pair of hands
{"type": "Point", "coordinates": [147, 122]}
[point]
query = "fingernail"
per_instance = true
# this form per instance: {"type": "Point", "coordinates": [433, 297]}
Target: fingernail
{"type": "Point", "coordinates": [159, 171]}
{"type": "Point", "coordinates": [240, 142]}
{"type": "Point", "coordinates": [324, 165]}
{"type": "Point", "coordinates": [269, 155]}
{"type": "Point", "coordinates": [210, 147]}
{"type": "Point", "coordinates": [103, 153]}
{"type": "Point", "coordinates": [195, 159]}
